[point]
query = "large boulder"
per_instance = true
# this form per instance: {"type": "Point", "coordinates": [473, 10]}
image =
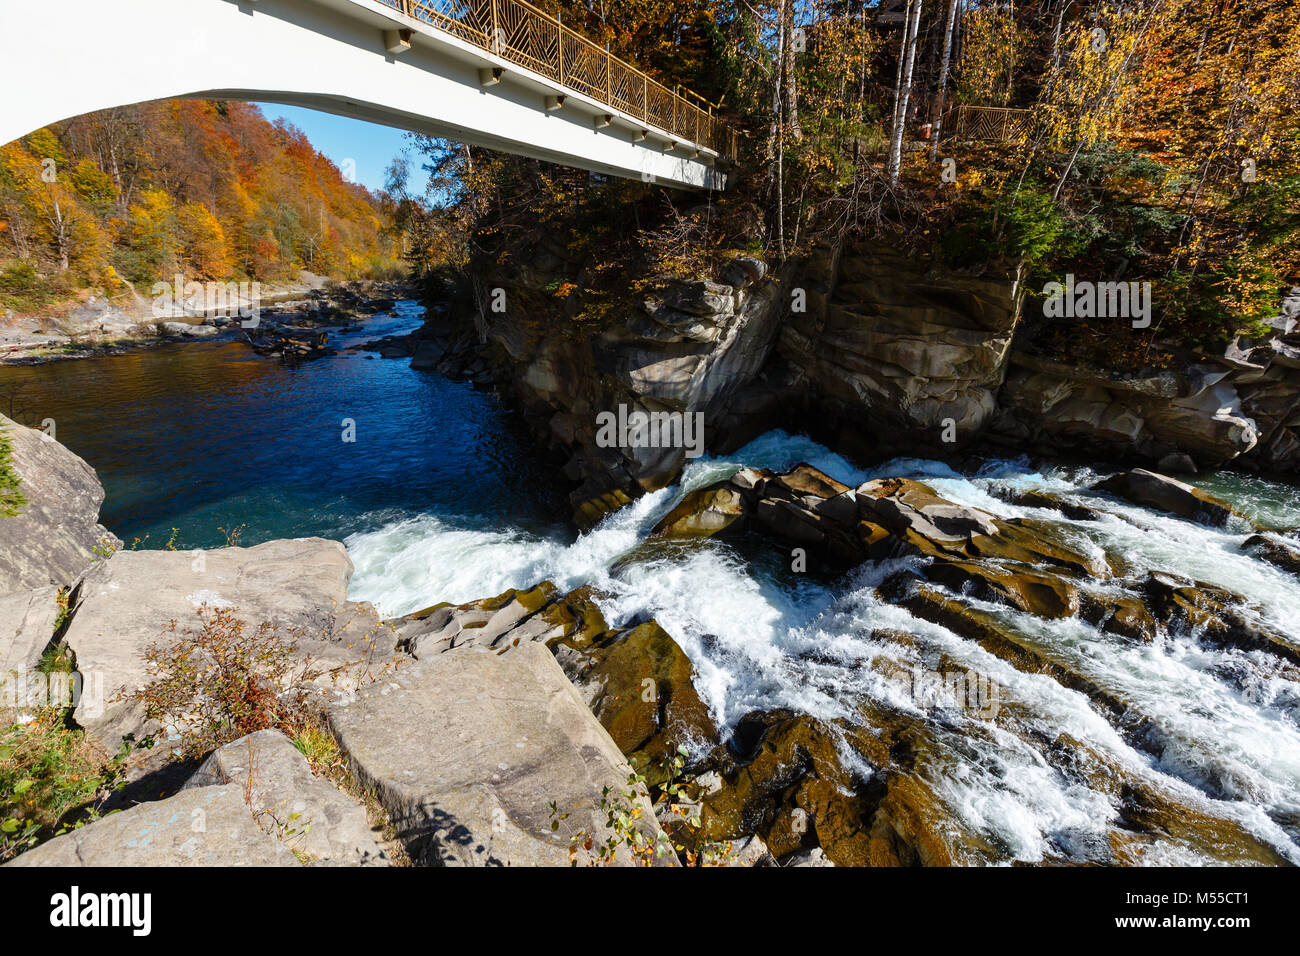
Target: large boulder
{"type": "Point", "coordinates": [309, 814]}
{"type": "Point", "coordinates": [640, 685]}
{"type": "Point", "coordinates": [467, 750]}
{"type": "Point", "coordinates": [636, 679]}
{"type": "Point", "coordinates": [52, 540]}
{"type": "Point", "coordinates": [206, 826]}
{"type": "Point", "coordinates": [1152, 490]}
{"type": "Point", "coordinates": [128, 602]}
{"type": "Point", "coordinates": [703, 513]}
{"type": "Point", "coordinates": [782, 778]}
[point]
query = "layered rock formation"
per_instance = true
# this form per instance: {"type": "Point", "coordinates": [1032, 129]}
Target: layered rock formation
{"type": "Point", "coordinates": [689, 347]}
{"type": "Point", "coordinates": [895, 350]}
{"type": "Point", "coordinates": [1241, 407]}
{"type": "Point", "coordinates": [790, 777]}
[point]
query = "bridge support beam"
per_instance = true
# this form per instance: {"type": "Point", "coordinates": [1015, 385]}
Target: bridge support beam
{"type": "Point", "coordinates": [397, 41]}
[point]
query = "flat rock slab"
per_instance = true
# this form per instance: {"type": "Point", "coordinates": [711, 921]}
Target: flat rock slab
{"type": "Point", "coordinates": [467, 749]}
{"type": "Point", "coordinates": [26, 627]}
{"type": "Point", "coordinates": [207, 826]}
{"type": "Point", "coordinates": [311, 815]}
{"type": "Point", "coordinates": [51, 540]}
{"type": "Point", "coordinates": [126, 603]}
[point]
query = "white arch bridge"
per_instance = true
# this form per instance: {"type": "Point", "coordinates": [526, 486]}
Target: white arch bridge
{"type": "Point", "coordinates": [493, 73]}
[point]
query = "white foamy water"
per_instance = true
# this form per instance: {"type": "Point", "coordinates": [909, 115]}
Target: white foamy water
{"type": "Point", "coordinates": [1223, 729]}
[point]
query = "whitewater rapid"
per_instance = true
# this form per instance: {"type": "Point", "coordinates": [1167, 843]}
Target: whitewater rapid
{"type": "Point", "coordinates": [1227, 722]}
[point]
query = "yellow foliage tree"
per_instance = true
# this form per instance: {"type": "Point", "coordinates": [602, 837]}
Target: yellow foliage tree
{"type": "Point", "coordinates": [204, 251]}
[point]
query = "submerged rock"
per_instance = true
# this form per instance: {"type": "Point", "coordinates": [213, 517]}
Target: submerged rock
{"type": "Point", "coordinates": [1041, 499]}
{"type": "Point", "coordinates": [1214, 614]}
{"type": "Point", "coordinates": [1273, 551]}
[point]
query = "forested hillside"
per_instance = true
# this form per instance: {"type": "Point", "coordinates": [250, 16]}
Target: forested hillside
{"type": "Point", "coordinates": [1156, 140]}
{"type": "Point", "coordinates": [208, 189]}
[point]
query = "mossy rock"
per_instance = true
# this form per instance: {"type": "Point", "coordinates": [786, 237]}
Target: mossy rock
{"type": "Point", "coordinates": [705, 512]}
{"type": "Point", "coordinates": [640, 685]}
{"type": "Point", "coordinates": [578, 616]}
{"type": "Point", "coordinates": [1036, 542]}
{"type": "Point", "coordinates": [788, 785]}
{"type": "Point", "coordinates": [1035, 592]}
{"type": "Point", "coordinates": [1148, 817]}
{"type": "Point", "coordinates": [589, 512]}
{"type": "Point", "coordinates": [1271, 551]}
{"type": "Point", "coordinates": [1214, 613]}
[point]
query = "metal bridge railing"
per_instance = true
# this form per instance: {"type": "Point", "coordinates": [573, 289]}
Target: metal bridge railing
{"type": "Point", "coordinates": [520, 33]}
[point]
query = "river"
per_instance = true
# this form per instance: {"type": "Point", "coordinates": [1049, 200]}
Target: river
{"type": "Point", "coordinates": [440, 498]}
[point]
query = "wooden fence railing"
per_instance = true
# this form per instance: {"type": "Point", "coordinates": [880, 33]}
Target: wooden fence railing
{"type": "Point", "coordinates": [520, 33]}
{"type": "Point", "coordinates": [988, 124]}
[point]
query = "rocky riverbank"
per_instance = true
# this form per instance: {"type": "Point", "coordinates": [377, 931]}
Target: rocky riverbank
{"type": "Point", "coordinates": [453, 775]}
{"type": "Point", "coordinates": [110, 327]}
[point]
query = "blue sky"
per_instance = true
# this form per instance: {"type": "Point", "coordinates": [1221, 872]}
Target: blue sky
{"type": "Point", "coordinates": [371, 148]}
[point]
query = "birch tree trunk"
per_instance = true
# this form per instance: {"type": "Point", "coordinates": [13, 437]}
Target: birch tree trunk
{"type": "Point", "coordinates": [904, 91]}
{"type": "Point", "coordinates": [943, 79]}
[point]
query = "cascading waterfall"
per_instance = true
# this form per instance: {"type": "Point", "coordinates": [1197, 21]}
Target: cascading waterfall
{"type": "Point", "coordinates": [1220, 729]}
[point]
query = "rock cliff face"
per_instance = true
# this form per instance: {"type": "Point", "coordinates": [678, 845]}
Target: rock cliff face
{"type": "Point", "coordinates": [689, 348]}
{"type": "Point", "coordinates": [1197, 412]}
{"type": "Point", "coordinates": [1266, 372]}
{"type": "Point", "coordinates": [890, 349]}
{"type": "Point", "coordinates": [876, 353]}
{"type": "Point", "coordinates": [1242, 406]}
